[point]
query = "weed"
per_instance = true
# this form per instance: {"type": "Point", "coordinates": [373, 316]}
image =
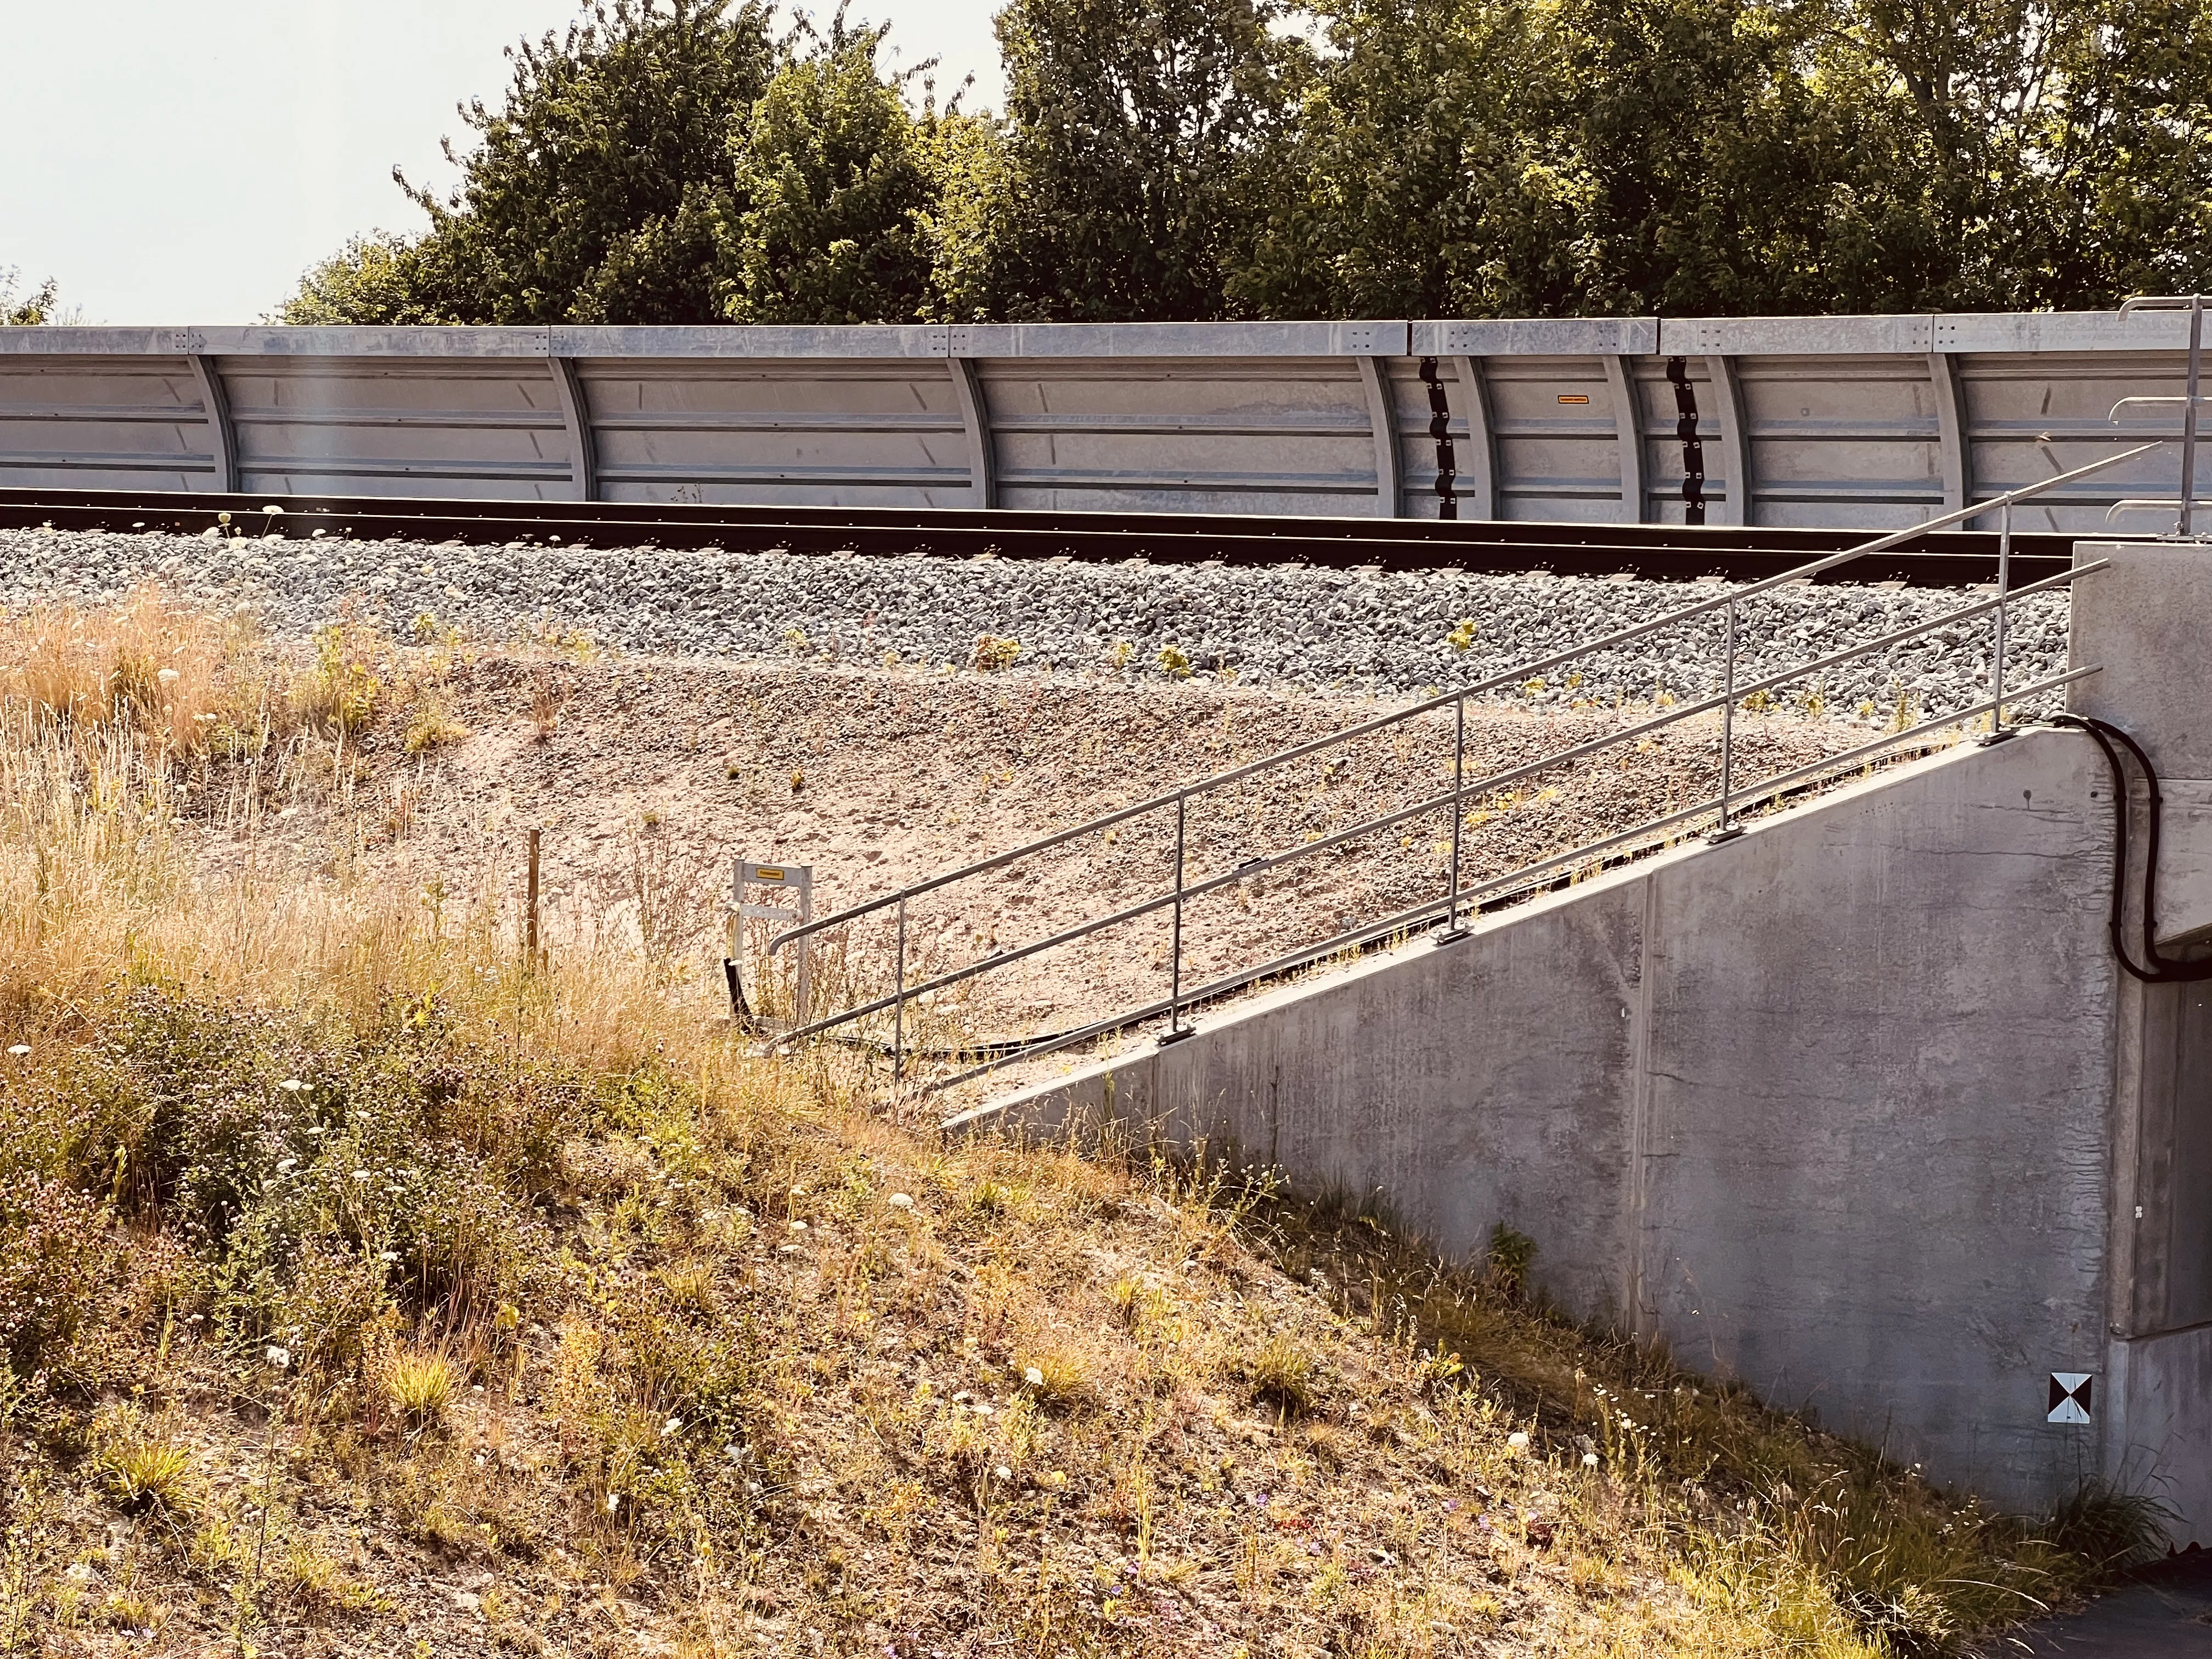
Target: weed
{"type": "Point", "coordinates": [56, 1254]}
{"type": "Point", "coordinates": [142, 1472]}
{"type": "Point", "coordinates": [315, 1584]}
{"type": "Point", "coordinates": [993, 654]}
{"type": "Point", "coordinates": [1512, 1255]}
{"type": "Point", "coordinates": [1055, 1377]}
{"type": "Point", "coordinates": [345, 688]}
{"type": "Point", "coordinates": [1174, 663]}
{"type": "Point", "coordinates": [550, 694]}
{"type": "Point", "coordinates": [430, 727]}
{"type": "Point", "coordinates": [1282, 1374]}
{"type": "Point", "coordinates": [420, 1386]}
{"type": "Point", "coordinates": [1462, 638]}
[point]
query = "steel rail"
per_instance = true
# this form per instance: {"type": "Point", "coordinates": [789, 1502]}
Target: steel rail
{"type": "Point", "coordinates": [1518, 674]}
{"type": "Point", "coordinates": [1435, 910]}
{"type": "Point", "coordinates": [1952, 556]}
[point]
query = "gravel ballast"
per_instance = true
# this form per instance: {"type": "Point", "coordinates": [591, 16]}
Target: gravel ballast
{"type": "Point", "coordinates": [1277, 625]}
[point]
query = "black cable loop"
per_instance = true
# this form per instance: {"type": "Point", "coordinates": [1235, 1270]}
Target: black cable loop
{"type": "Point", "coordinates": [2162, 970]}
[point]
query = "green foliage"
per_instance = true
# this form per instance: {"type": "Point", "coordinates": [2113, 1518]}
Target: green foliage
{"type": "Point", "coordinates": [56, 1256]}
{"type": "Point", "coordinates": [31, 309]}
{"type": "Point", "coordinates": [381, 279]}
{"type": "Point", "coordinates": [1134, 129]}
{"type": "Point", "coordinates": [839, 179]}
{"type": "Point", "coordinates": [1511, 1255]}
{"type": "Point", "coordinates": [143, 1471]}
{"type": "Point", "coordinates": [1184, 159]}
{"type": "Point", "coordinates": [320, 1172]}
{"type": "Point", "coordinates": [1466, 157]}
{"type": "Point", "coordinates": [592, 193]}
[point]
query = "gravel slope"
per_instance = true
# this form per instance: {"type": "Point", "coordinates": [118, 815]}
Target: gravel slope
{"type": "Point", "coordinates": [1281, 625]}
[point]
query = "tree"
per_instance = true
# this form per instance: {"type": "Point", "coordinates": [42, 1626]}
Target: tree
{"type": "Point", "coordinates": [1481, 157]}
{"type": "Point", "coordinates": [592, 193]}
{"type": "Point", "coordinates": [1132, 128]}
{"type": "Point", "coordinates": [34, 309]}
{"type": "Point", "coordinates": [840, 179]}
{"type": "Point", "coordinates": [1183, 159]}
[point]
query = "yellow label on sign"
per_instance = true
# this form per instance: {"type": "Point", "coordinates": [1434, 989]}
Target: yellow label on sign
{"type": "Point", "coordinates": [1574, 396]}
{"type": "Point", "coordinates": [767, 875]}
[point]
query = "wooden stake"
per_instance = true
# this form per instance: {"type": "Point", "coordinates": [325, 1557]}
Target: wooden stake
{"type": "Point", "coordinates": [530, 937]}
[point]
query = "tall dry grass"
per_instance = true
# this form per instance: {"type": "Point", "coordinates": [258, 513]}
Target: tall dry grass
{"type": "Point", "coordinates": [1154, 1384]}
{"type": "Point", "coordinates": [111, 766]}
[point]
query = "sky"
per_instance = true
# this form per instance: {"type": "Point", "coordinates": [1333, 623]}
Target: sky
{"type": "Point", "coordinates": [167, 163]}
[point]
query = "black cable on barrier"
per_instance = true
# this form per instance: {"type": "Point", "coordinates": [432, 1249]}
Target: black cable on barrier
{"type": "Point", "coordinates": [1440, 430]}
{"type": "Point", "coordinates": [2162, 970]}
{"type": "Point", "coordinates": [1694, 446]}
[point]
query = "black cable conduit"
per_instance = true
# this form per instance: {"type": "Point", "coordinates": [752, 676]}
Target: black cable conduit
{"type": "Point", "coordinates": [2162, 970]}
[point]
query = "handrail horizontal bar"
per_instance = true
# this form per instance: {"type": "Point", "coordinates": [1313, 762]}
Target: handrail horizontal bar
{"type": "Point", "coordinates": [1514, 676]}
{"type": "Point", "coordinates": [1250, 868]}
{"type": "Point", "coordinates": [996, 959]}
{"type": "Point", "coordinates": [1440, 906]}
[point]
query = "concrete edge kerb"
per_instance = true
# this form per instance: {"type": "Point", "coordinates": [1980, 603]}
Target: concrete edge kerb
{"type": "Point", "coordinates": [991, 1112]}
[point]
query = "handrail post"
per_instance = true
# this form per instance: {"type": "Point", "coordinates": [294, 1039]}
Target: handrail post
{"type": "Point", "coordinates": [898, 1003]}
{"type": "Point", "coordinates": [1451, 931]}
{"type": "Point", "coordinates": [1998, 731]}
{"type": "Point", "coordinates": [2189, 414]}
{"type": "Point", "coordinates": [1727, 831]}
{"type": "Point", "coordinates": [1176, 1031]}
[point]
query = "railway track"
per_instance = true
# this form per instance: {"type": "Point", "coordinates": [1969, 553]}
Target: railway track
{"type": "Point", "coordinates": [1945, 558]}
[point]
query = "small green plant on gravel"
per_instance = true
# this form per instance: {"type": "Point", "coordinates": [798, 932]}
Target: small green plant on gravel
{"type": "Point", "coordinates": [1174, 663]}
{"type": "Point", "coordinates": [1118, 655]}
{"type": "Point", "coordinates": [1462, 638]}
{"type": "Point", "coordinates": [430, 727]}
{"type": "Point", "coordinates": [993, 654]}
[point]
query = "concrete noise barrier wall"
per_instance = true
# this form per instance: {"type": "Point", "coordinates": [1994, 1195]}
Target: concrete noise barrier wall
{"type": "Point", "coordinates": [1849, 422]}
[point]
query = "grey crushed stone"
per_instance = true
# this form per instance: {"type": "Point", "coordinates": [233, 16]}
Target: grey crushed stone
{"type": "Point", "coordinates": [1288, 625]}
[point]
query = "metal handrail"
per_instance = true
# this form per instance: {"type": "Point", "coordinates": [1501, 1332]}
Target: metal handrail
{"type": "Point", "coordinates": [1512, 676]}
{"type": "Point", "coordinates": [2189, 403]}
{"type": "Point", "coordinates": [1456, 898]}
{"type": "Point", "coordinates": [1528, 876]}
{"type": "Point", "coordinates": [1456, 796]}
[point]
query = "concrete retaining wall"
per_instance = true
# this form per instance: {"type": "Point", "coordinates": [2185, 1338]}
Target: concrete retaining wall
{"type": "Point", "coordinates": [1829, 1107]}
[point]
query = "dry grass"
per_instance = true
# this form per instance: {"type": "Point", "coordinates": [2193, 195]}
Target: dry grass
{"type": "Point", "coordinates": [725, 1362]}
